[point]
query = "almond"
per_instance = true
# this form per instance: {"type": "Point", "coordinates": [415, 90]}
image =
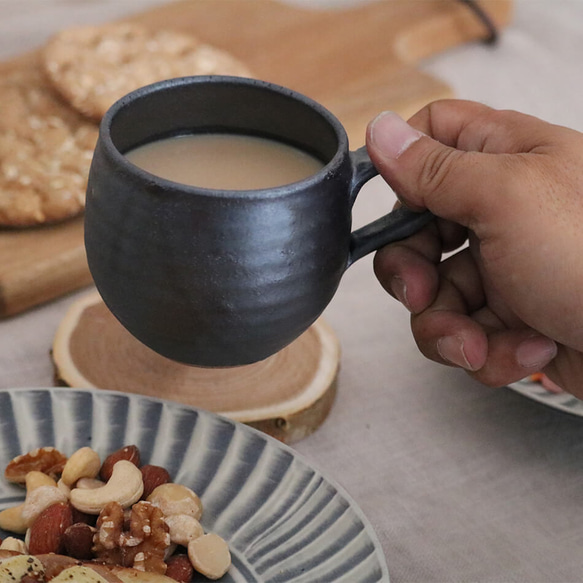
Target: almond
{"type": "Point", "coordinates": [179, 568]}
{"type": "Point", "coordinates": [47, 531]}
{"type": "Point", "coordinates": [153, 477]}
{"type": "Point", "coordinates": [78, 541]}
{"type": "Point", "coordinates": [131, 453]}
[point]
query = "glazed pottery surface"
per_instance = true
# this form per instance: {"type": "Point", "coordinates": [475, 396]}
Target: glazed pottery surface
{"type": "Point", "coordinates": [224, 277]}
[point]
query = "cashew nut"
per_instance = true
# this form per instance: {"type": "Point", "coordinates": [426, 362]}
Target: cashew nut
{"type": "Point", "coordinates": [66, 490]}
{"type": "Point", "coordinates": [84, 463]}
{"type": "Point", "coordinates": [12, 519]}
{"type": "Point", "coordinates": [209, 555]}
{"type": "Point", "coordinates": [36, 479]}
{"type": "Point", "coordinates": [40, 499]}
{"type": "Point", "coordinates": [125, 487]}
{"type": "Point", "coordinates": [89, 483]}
{"type": "Point", "coordinates": [183, 528]}
{"type": "Point", "coordinates": [176, 499]}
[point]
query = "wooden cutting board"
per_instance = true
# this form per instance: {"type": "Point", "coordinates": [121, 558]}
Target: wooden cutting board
{"type": "Point", "coordinates": [357, 62]}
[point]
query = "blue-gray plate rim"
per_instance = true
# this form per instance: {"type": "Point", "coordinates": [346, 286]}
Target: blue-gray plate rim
{"type": "Point", "coordinates": [283, 519]}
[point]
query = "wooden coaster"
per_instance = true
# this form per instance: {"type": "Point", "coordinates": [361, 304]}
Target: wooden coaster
{"type": "Point", "coordinates": [288, 395]}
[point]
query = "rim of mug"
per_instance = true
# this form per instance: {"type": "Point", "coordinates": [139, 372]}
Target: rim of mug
{"type": "Point", "coordinates": [124, 102]}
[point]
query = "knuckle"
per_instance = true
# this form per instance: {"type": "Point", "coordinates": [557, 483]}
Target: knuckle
{"type": "Point", "coordinates": [488, 378]}
{"type": "Point", "coordinates": [437, 168]}
{"type": "Point", "coordinates": [497, 373]}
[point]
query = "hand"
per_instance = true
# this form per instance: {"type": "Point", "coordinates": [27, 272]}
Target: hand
{"type": "Point", "coordinates": [510, 303]}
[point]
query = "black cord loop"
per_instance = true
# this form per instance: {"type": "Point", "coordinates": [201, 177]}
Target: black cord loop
{"type": "Point", "coordinates": [484, 17]}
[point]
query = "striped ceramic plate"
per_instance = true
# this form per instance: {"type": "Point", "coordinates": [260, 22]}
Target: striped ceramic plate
{"type": "Point", "coordinates": [283, 520]}
{"type": "Point", "coordinates": [562, 401]}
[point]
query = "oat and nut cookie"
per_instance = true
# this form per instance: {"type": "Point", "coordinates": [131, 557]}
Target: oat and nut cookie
{"type": "Point", "coordinates": [93, 66]}
{"type": "Point", "coordinates": [45, 152]}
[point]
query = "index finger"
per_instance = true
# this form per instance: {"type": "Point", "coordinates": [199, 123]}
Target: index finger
{"type": "Point", "coordinates": [475, 127]}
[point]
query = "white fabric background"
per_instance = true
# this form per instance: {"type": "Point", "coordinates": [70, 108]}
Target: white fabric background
{"type": "Point", "coordinates": [461, 482]}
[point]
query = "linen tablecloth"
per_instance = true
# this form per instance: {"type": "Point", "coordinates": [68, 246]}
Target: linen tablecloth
{"type": "Point", "coordinates": [461, 482]}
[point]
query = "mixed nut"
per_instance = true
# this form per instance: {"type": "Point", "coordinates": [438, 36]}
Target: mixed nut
{"type": "Point", "coordinates": [118, 513]}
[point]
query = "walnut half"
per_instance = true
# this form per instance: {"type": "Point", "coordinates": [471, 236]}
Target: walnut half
{"type": "Point", "coordinates": [142, 546]}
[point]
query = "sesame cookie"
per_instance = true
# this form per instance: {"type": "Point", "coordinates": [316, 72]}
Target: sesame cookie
{"type": "Point", "coordinates": [94, 66]}
{"type": "Point", "coordinates": [45, 152]}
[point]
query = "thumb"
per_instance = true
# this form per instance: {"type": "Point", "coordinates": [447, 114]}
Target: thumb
{"type": "Point", "coordinates": [425, 174]}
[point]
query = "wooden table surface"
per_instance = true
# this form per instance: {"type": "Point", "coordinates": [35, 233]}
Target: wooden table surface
{"type": "Point", "coordinates": [356, 61]}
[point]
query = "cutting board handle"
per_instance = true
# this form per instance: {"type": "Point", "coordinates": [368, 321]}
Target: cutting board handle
{"type": "Point", "coordinates": [394, 226]}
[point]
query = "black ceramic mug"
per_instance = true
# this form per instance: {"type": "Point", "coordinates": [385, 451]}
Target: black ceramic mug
{"type": "Point", "coordinates": [224, 277]}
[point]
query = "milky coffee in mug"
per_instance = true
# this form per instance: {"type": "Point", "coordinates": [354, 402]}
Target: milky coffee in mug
{"type": "Point", "coordinates": [225, 161]}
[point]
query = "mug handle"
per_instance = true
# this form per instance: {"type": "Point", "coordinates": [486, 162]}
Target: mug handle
{"type": "Point", "coordinates": [394, 226]}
